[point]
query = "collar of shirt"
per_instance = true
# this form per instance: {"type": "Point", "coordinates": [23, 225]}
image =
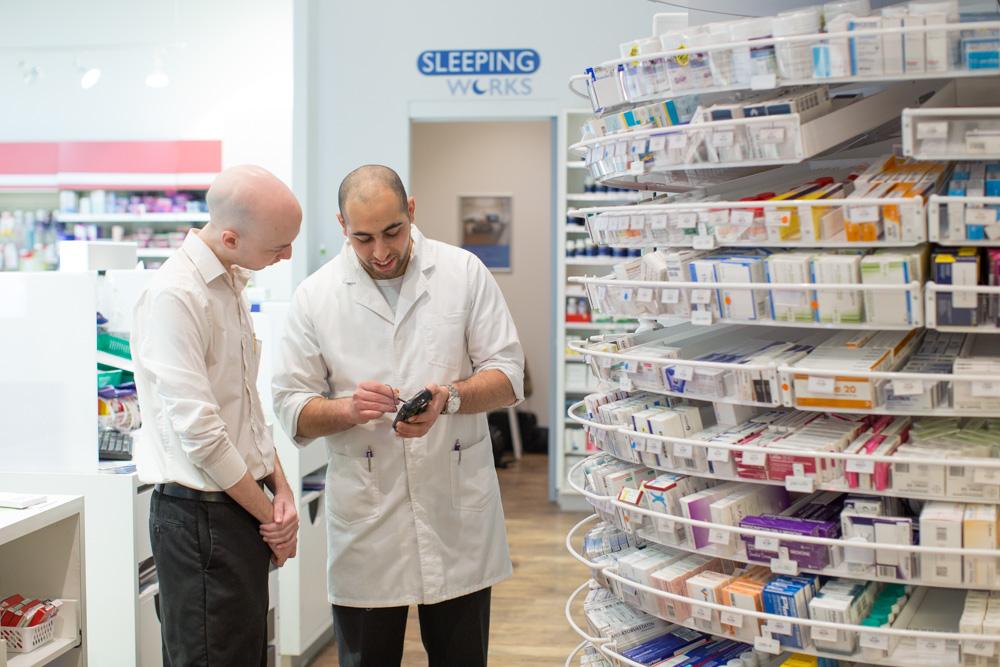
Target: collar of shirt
{"type": "Point", "coordinates": [209, 266]}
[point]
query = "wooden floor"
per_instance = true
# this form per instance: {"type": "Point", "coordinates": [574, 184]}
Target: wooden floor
{"type": "Point", "coordinates": [528, 628]}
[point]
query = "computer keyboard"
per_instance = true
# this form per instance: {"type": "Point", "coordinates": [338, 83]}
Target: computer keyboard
{"type": "Point", "coordinates": [114, 446]}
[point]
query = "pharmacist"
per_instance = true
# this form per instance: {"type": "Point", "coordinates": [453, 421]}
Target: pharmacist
{"type": "Point", "coordinates": [414, 515]}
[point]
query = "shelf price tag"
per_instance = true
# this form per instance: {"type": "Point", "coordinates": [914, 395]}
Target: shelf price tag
{"type": "Point", "coordinates": [685, 373]}
{"type": "Point", "coordinates": [860, 466]}
{"type": "Point", "coordinates": [687, 219]}
{"type": "Point", "coordinates": [636, 167]}
{"type": "Point", "coordinates": [771, 544]}
{"type": "Point", "coordinates": [741, 217]}
{"type": "Point", "coordinates": [704, 613]}
{"type": "Point", "coordinates": [758, 459]}
{"type": "Point", "coordinates": [800, 484]}
{"type": "Point", "coordinates": [986, 388]}
{"type": "Point", "coordinates": [704, 242]}
{"type": "Point", "coordinates": [723, 138]}
{"type": "Point", "coordinates": [986, 475]}
{"type": "Point", "coordinates": [935, 130]}
{"type": "Point", "coordinates": [821, 384]}
{"type": "Point", "coordinates": [670, 296]}
{"type": "Point", "coordinates": [931, 646]}
{"type": "Point", "coordinates": [658, 221]}
{"type": "Point", "coordinates": [701, 296]}
{"type": "Point", "coordinates": [979, 647]}
{"type": "Point", "coordinates": [717, 454]}
{"type": "Point", "coordinates": [824, 634]}
{"type": "Point", "coordinates": [767, 645]}
{"type": "Point", "coordinates": [701, 317]}
{"type": "Point", "coordinates": [657, 142]}
{"type": "Point", "coordinates": [863, 214]}
{"type": "Point", "coordinates": [677, 141]}
{"type": "Point", "coordinates": [683, 450]}
{"type": "Point", "coordinates": [763, 81]}
{"type": "Point", "coordinates": [771, 135]}
{"type": "Point", "coordinates": [644, 294]}
{"type": "Point", "coordinates": [731, 618]}
{"type": "Point", "coordinates": [776, 627]}
{"type": "Point", "coordinates": [980, 216]}
{"type": "Point", "coordinates": [723, 537]}
{"type": "Point", "coordinates": [907, 387]}
{"type": "Point", "coordinates": [875, 641]}
{"type": "Point", "coordinates": [784, 566]}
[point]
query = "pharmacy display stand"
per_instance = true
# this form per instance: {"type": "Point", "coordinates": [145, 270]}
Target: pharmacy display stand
{"type": "Point", "coordinates": [937, 108]}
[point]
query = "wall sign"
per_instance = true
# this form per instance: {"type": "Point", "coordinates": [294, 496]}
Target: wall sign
{"type": "Point", "coordinates": [482, 72]}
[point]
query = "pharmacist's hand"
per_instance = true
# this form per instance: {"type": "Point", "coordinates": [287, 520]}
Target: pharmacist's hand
{"type": "Point", "coordinates": [371, 400]}
{"type": "Point", "coordinates": [285, 527]}
{"type": "Point", "coordinates": [281, 554]}
{"type": "Point", "coordinates": [418, 425]}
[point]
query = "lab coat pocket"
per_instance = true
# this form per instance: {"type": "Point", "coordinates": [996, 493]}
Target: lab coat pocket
{"type": "Point", "coordinates": [354, 496]}
{"type": "Point", "coordinates": [473, 480]}
{"type": "Point", "coordinates": [445, 336]}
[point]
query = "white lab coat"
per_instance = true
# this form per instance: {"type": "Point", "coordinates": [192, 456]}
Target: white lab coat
{"type": "Point", "coordinates": [418, 521]}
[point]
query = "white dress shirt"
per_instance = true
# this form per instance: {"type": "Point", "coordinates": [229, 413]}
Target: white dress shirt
{"type": "Point", "coordinates": [196, 360]}
{"type": "Point", "coordinates": [414, 520]}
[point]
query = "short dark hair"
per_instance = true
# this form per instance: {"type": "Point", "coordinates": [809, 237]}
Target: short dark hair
{"type": "Point", "coordinates": [362, 181]}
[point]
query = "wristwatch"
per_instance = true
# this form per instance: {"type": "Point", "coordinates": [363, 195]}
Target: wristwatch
{"type": "Point", "coordinates": [454, 400]}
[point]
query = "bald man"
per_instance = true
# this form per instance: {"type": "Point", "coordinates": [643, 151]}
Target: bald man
{"type": "Point", "coordinates": [204, 442]}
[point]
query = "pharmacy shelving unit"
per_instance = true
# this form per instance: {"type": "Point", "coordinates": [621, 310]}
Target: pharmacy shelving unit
{"type": "Point", "coordinates": [570, 383]}
{"type": "Point", "coordinates": [42, 555]}
{"type": "Point", "coordinates": [952, 113]}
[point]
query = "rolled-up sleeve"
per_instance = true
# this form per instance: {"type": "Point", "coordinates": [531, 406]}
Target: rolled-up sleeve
{"type": "Point", "coordinates": [491, 334]}
{"type": "Point", "coordinates": [303, 374]}
{"type": "Point", "coordinates": [172, 352]}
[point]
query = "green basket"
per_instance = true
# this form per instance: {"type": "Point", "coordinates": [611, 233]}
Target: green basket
{"type": "Point", "coordinates": [116, 345]}
{"type": "Point", "coordinates": [107, 378]}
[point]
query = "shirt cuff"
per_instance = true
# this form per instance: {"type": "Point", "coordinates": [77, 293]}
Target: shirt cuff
{"type": "Point", "coordinates": [227, 469]}
{"type": "Point", "coordinates": [293, 425]}
{"type": "Point", "coordinates": [514, 374]}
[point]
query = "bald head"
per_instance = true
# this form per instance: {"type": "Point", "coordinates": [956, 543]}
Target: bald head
{"type": "Point", "coordinates": [254, 216]}
{"type": "Point", "coordinates": [367, 183]}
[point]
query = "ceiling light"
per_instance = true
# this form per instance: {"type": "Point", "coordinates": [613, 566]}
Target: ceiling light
{"type": "Point", "coordinates": [157, 78]}
{"type": "Point", "coordinates": [89, 76]}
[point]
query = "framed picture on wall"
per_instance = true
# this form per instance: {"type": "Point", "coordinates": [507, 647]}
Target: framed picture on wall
{"type": "Point", "coordinates": [485, 223]}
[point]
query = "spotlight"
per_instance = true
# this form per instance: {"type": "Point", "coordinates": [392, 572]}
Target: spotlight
{"type": "Point", "coordinates": [157, 78]}
{"type": "Point", "coordinates": [89, 76]}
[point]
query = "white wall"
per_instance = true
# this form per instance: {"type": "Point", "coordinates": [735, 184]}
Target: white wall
{"type": "Point", "coordinates": [232, 80]}
{"type": "Point", "coordinates": [447, 161]}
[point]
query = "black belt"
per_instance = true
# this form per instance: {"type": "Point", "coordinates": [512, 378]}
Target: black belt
{"type": "Point", "coordinates": [179, 491]}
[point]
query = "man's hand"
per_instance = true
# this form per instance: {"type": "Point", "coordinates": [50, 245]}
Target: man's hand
{"type": "Point", "coordinates": [371, 400]}
{"type": "Point", "coordinates": [282, 534]}
{"type": "Point", "coordinates": [418, 425]}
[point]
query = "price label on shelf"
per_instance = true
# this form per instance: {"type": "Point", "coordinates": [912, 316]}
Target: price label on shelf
{"type": "Point", "coordinates": [784, 566]}
{"type": "Point", "coordinates": [980, 216]}
{"type": "Point", "coordinates": [932, 130]}
{"type": "Point", "coordinates": [776, 627]}
{"type": "Point", "coordinates": [907, 387]}
{"type": "Point", "coordinates": [701, 317]}
{"type": "Point", "coordinates": [658, 221]}
{"type": "Point", "coordinates": [636, 167]}
{"type": "Point", "coordinates": [763, 81]}
{"type": "Point", "coordinates": [986, 389]}
{"type": "Point", "coordinates": [704, 613]}
{"type": "Point", "coordinates": [717, 536]}
{"type": "Point", "coordinates": [771, 135]}
{"type": "Point", "coordinates": [723, 138]}
{"type": "Point", "coordinates": [741, 217]}
{"type": "Point", "coordinates": [777, 218]}
{"type": "Point", "coordinates": [824, 634]}
{"type": "Point", "coordinates": [687, 219]}
{"type": "Point", "coordinates": [930, 646]}
{"type": "Point", "coordinates": [822, 384]}
{"type": "Point", "coordinates": [683, 450]}
{"type": "Point", "coordinates": [863, 214]}
{"type": "Point", "coordinates": [717, 454]}
{"type": "Point", "coordinates": [657, 142]}
{"type": "Point", "coordinates": [862, 466]}
{"type": "Point", "coordinates": [703, 242]}
{"type": "Point", "coordinates": [684, 373]}
{"type": "Point", "coordinates": [754, 459]}
{"type": "Point", "coordinates": [637, 223]}
{"type": "Point", "coordinates": [731, 618]}
{"type": "Point", "coordinates": [981, 647]}
{"type": "Point", "coordinates": [677, 141]}
{"type": "Point", "coordinates": [875, 641]}
{"type": "Point", "coordinates": [701, 296]}
{"type": "Point", "coordinates": [644, 294]}
{"type": "Point", "coordinates": [670, 296]}
{"type": "Point", "coordinates": [986, 475]}
{"type": "Point", "coordinates": [771, 544]}
{"type": "Point", "coordinates": [767, 645]}
{"type": "Point", "coordinates": [800, 484]}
